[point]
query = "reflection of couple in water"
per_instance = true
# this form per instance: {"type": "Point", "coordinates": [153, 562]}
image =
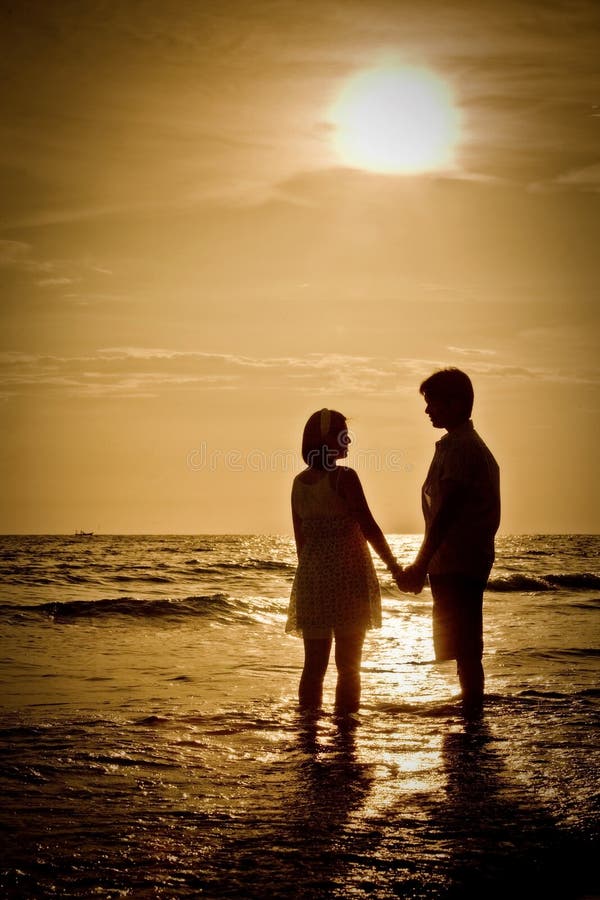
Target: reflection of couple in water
{"type": "Point", "coordinates": [336, 596]}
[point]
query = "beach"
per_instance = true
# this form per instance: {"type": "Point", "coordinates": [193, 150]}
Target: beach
{"type": "Point", "coordinates": [152, 746]}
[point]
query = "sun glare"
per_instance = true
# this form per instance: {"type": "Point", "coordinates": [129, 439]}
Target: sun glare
{"type": "Point", "coordinates": [396, 119]}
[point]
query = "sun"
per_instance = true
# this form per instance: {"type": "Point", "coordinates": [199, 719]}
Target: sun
{"type": "Point", "coordinates": [396, 119]}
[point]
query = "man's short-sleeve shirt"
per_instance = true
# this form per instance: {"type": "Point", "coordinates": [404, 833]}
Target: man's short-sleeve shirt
{"type": "Point", "coordinates": [462, 457]}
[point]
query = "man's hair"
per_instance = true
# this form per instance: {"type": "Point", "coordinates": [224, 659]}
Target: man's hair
{"type": "Point", "coordinates": [450, 384]}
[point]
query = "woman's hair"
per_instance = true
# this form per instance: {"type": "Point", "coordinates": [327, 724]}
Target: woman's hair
{"type": "Point", "coordinates": [321, 431]}
{"type": "Point", "coordinates": [450, 384]}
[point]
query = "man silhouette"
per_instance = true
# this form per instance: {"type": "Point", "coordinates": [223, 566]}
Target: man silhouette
{"type": "Point", "coordinates": [461, 507]}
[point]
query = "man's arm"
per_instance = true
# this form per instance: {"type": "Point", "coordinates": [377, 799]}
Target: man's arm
{"type": "Point", "coordinates": [452, 497]}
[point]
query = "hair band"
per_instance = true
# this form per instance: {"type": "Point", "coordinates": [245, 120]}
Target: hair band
{"type": "Point", "coordinates": [325, 422]}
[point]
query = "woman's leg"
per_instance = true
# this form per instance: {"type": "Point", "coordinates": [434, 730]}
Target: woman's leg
{"type": "Point", "coordinates": [316, 658]}
{"type": "Point", "coordinates": [348, 653]}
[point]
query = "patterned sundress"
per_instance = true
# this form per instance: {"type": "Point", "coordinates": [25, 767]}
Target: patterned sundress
{"type": "Point", "coordinates": [335, 586]}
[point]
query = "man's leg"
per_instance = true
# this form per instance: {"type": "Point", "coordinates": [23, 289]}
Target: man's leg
{"type": "Point", "coordinates": [348, 654]}
{"type": "Point", "coordinates": [316, 659]}
{"type": "Point", "coordinates": [471, 677]}
{"type": "Point", "coordinates": [458, 631]}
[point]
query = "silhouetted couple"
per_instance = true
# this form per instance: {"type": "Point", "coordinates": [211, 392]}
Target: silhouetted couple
{"type": "Point", "coordinates": [336, 596]}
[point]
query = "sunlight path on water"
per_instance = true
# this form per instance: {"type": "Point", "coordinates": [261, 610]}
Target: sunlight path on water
{"type": "Point", "coordinates": [152, 745]}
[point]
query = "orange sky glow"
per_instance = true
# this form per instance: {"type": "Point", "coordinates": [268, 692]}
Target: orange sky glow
{"type": "Point", "coordinates": [194, 258]}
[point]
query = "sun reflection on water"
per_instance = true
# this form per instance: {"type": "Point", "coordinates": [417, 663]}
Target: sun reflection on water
{"type": "Point", "coordinates": [399, 666]}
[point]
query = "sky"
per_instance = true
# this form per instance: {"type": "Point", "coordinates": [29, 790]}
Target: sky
{"type": "Point", "coordinates": [189, 266]}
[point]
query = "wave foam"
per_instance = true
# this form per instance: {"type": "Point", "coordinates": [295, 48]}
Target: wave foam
{"type": "Point", "coordinates": [577, 581]}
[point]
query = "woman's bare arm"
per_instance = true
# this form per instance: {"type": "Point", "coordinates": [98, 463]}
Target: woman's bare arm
{"type": "Point", "coordinates": [298, 534]}
{"type": "Point", "coordinates": [350, 488]}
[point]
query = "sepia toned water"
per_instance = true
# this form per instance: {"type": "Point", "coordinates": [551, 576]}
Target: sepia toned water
{"type": "Point", "coordinates": [151, 746]}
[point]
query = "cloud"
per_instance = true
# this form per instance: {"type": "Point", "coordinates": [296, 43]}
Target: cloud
{"type": "Point", "coordinates": [472, 351]}
{"type": "Point", "coordinates": [55, 282]}
{"type": "Point", "coordinates": [144, 372]}
{"type": "Point", "coordinates": [137, 353]}
{"type": "Point", "coordinates": [14, 253]}
{"type": "Point", "coordinates": [62, 216]}
{"type": "Point", "coordinates": [21, 257]}
{"type": "Point", "coordinates": [587, 178]}
{"type": "Point", "coordinates": [114, 112]}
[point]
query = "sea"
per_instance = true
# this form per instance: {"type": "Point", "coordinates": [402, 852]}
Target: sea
{"type": "Point", "coordinates": [151, 745]}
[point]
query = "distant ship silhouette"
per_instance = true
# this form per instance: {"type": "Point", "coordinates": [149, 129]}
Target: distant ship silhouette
{"type": "Point", "coordinates": [84, 533]}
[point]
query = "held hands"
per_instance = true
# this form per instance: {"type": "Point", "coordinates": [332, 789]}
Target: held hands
{"type": "Point", "coordinates": [412, 579]}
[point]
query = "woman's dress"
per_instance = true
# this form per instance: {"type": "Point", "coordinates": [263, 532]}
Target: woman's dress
{"type": "Point", "coordinates": [335, 586]}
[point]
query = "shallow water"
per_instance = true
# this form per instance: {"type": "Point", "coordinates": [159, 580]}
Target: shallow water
{"type": "Point", "coordinates": [151, 745]}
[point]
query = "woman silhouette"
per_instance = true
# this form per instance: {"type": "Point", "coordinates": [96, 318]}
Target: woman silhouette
{"type": "Point", "coordinates": [335, 593]}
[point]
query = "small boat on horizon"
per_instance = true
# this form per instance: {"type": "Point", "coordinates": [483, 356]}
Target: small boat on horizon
{"type": "Point", "coordinates": [84, 534]}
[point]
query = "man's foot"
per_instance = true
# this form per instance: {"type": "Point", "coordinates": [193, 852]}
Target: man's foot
{"type": "Point", "coordinates": [472, 708]}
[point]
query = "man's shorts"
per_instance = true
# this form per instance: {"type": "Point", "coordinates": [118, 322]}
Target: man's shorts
{"type": "Point", "coordinates": [457, 616]}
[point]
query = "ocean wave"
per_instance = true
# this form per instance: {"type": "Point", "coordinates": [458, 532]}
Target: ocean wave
{"type": "Point", "coordinates": [536, 693]}
{"type": "Point", "coordinates": [162, 608]}
{"type": "Point", "coordinates": [249, 565]}
{"type": "Point", "coordinates": [268, 565]}
{"type": "Point", "coordinates": [577, 581]}
{"type": "Point", "coordinates": [151, 579]}
{"type": "Point", "coordinates": [558, 652]}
